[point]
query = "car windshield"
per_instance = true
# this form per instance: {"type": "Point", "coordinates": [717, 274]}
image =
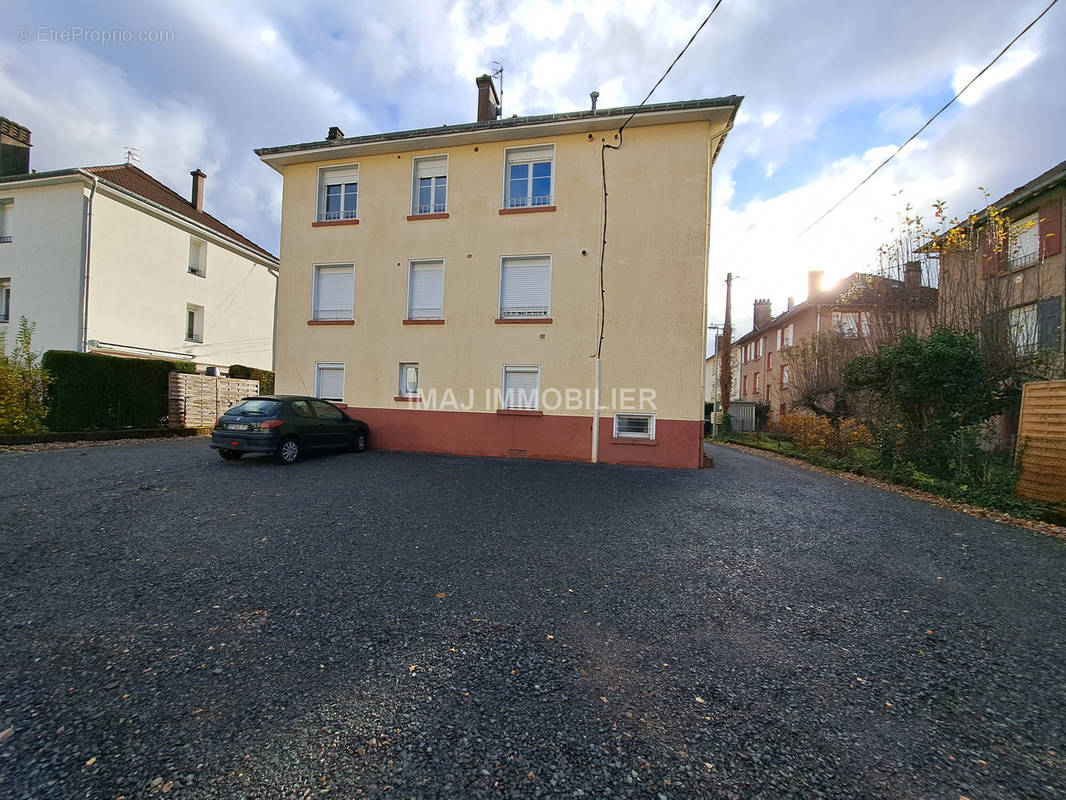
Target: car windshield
{"type": "Point", "coordinates": [256, 408]}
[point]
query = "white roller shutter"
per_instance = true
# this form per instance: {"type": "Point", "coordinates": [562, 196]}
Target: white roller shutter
{"type": "Point", "coordinates": [525, 286]}
{"type": "Point", "coordinates": [425, 297]}
{"type": "Point", "coordinates": [521, 388]}
{"type": "Point", "coordinates": [330, 381]}
{"type": "Point", "coordinates": [334, 292]}
{"type": "Point", "coordinates": [432, 167]}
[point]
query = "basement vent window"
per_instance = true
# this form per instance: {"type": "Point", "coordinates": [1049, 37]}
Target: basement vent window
{"type": "Point", "coordinates": [634, 426]}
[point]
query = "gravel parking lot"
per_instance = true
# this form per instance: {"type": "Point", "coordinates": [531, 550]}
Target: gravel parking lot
{"type": "Point", "coordinates": [429, 626]}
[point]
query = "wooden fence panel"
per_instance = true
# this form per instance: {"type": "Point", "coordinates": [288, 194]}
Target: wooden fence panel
{"type": "Point", "coordinates": [196, 401]}
{"type": "Point", "coordinates": [1042, 442]}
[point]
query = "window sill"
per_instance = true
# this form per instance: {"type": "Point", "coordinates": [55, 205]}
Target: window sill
{"type": "Point", "coordinates": [524, 320]}
{"type": "Point", "coordinates": [423, 322]}
{"type": "Point", "coordinates": [518, 412]}
{"type": "Point", "coordinates": [634, 440]}
{"type": "Point", "coordinates": [331, 322]}
{"type": "Point", "coordinates": [194, 341]}
{"type": "Point", "coordinates": [407, 399]}
{"type": "Point", "coordinates": [415, 217]}
{"type": "Point", "coordinates": [526, 210]}
{"type": "Point", "coordinates": [334, 222]}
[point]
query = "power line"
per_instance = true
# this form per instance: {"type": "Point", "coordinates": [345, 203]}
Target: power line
{"type": "Point", "coordinates": [603, 165]}
{"type": "Point", "coordinates": [930, 120]}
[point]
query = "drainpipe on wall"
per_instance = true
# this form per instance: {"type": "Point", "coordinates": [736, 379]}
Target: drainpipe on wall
{"type": "Point", "coordinates": [596, 415]}
{"type": "Point", "coordinates": [86, 267]}
{"type": "Point", "coordinates": [274, 342]}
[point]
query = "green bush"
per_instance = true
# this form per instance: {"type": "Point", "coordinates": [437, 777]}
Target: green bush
{"type": "Point", "coordinates": [23, 384]}
{"type": "Point", "coordinates": [264, 376]}
{"type": "Point", "coordinates": [94, 392]}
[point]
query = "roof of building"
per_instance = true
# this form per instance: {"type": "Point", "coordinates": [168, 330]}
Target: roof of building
{"type": "Point", "coordinates": [1043, 181]}
{"type": "Point", "coordinates": [134, 180]}
{"type": "Point", "coordinates": [511, 123]}
{"type": "Point", "coordinates": [867, 285]}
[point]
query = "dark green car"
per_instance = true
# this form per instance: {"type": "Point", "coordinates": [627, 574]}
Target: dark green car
{"type": "Point", "coordinates": [286, 426]}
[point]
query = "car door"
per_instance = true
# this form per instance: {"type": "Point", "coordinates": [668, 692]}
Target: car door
{"type": "Point", "coordinates": [334, 429]}
{"type": "Point", "coordinates": [307, 425]}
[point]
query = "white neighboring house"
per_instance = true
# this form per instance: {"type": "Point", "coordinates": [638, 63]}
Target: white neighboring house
{"type": "Point", "coordinates": [109, 260]}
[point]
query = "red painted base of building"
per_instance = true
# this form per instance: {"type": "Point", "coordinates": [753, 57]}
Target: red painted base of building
{"type": "Point", "coordinates": [677, 443]}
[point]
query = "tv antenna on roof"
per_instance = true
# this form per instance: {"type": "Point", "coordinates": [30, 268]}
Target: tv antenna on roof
{"type": "Point", "coordinates": [132, 155]}
{"type": "Point", "coordinates": [497, 72]}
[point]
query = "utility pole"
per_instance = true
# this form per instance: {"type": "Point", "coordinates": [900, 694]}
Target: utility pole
{"type": "Point", "coordinates": [725, 354]}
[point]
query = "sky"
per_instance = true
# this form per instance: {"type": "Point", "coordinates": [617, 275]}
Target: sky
{"type": "Point", "coordinates": [831, 88]}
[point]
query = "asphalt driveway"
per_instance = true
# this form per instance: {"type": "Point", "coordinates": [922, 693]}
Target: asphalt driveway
{"type": "Point", "coordinates": [428, 626]}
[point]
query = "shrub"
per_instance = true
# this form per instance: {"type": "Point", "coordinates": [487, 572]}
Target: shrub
{"type": "Point", "coordinates": [264, 376]}
{"type": "Point", "coordinates": [95, 392]}
{"type": "Point", "coordinates": [841, 440]}
{"type": "Point", "coordinates": [23, 384]}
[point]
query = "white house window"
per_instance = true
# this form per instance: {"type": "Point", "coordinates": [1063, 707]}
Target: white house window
{"type": "Point", "coordinates": [6, 217]}
{"type": "Point", "coordinates": [1024, 242]}
{"type": "Point", "coordinates": [1022, 323]}
{"type": "Point", "coordinates": [425, 290]}
{"type": "Point", "coordinates": [786, 336]}
{"type": "Point", "coordinates": [329, 381]}
{"type": "Point", "coordinates": [851, 324]}
{"type": "Point", "coordinates": [634, 426]}
{"type": "Point", "coordinates": [756, 383]}
{"type": "Point", "coordinates": [5, 299]}
{"type": "Point", "coordinates": [430, 185]}
{"type": "Point", "coordinates": [194, 323]}
{"type": "Point", "coordinates": [529, 176]}
{"type": "Point", "coordinates": [786, 377]}
{"type": "Point", "coordinates": [334, 292]}
{"type": "Point", "coordinates": [525, 286]}
{"type": "Point", "coordinates": [197, 257]}
{"type": "Point", "coordinates": [769, 360]}
{"type": "Point", "coordinates": [521, 388]}
{"type": "Point", "coordinates": [759, 347]}
{"type": "Point", "coordinates": [338, 193]}
{"type": "Point", "coordinates": [408, 386]}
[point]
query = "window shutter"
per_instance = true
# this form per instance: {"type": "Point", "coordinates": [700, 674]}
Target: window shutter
{"type": "Point", "coordinates": [426, 291]}
{"type": "Point", "coordinates": [525, 287]}
{"type": "Point", "coordinates": [431, 167]}
{"type": "Point", "coordinates": [334, 293]}
{"type": "Point", "coordinates": [520, 388]}
{"type": "Point", "coordinates": [527, 155]}
{"type": "Point", "coordinates": [330, 382]}
{"type": "Point", "coordinates": [341, 175]}
{"type": "Point", "coordinates": [1048, 316]}
{"type": "Point", "coordinates": [1051, 229]}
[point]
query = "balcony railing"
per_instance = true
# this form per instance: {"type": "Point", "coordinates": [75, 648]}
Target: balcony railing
{"type": "Point", "coordinates": [333, 216]}
{"type": "Point", "coordinates": [524, 311]}
{"type": "Point", "coordinates": [4, 316]}
{"type": "Point", "coordinates": [431, 208]}
{"type": "Point", "coordinates": [1020, 260]}
{"type": "Point", "coordinates": [526, 202]}
{"type": "Point", "coordinates": [332, 313]}
{"type": "Point", "coordinates": [5, 238]}
{"type": "Point", "coordinates": [425, 313]}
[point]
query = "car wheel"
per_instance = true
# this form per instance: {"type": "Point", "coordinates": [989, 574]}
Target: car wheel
{"type": "Point", "coordinates": [359, 442]}
{"type": "Point", "coordinates": [230, 455]}
{"type": "Point", "coordinates": [288, 451]}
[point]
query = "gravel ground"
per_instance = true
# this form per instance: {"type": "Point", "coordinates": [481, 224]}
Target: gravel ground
{"type": "Point", "coordinates": [428, 626]}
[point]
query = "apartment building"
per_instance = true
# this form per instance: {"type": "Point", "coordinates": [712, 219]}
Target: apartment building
{"type": "Point", "coordinates": [869, 309]}
{"type": "Point", "coordinates": [1014, 278]}
{"type": "Point", "coordinates": [444, 283]}
{"type": "Point", "coordinates": [110, 260]}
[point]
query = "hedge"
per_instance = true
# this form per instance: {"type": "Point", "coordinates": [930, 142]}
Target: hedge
{"type": "Point", "coordinates": [95, 392]}
{"type": "Point", "coordinates": [264, 376]}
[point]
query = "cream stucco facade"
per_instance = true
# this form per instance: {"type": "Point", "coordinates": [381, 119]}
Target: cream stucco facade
{"type": "Point", "coordinates": [654, 283]}
{"type": "Point", "coordinates": [139, 287]}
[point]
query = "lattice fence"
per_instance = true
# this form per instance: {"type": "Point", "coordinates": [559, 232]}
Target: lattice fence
{"type": "Point", "coordinates": [1042, 442]}
{"type": "Point", "coordinates": [196, 401]}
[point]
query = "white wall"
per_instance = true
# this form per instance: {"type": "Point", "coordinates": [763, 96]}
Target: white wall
{"type": "Point", "coordinates": [43, 262]}
{"type": "Point", "coordinates": [141, 286]}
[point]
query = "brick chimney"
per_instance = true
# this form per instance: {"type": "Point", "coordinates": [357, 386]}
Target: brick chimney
{"type": "Point", "coordinates": [912, 276]}
{"type": "Point", "coordinates": [762, 313]}
{"type": "Point", "coordinates": [488, 101]}
{"type": "Point", "coordinates": [198, 178]}
{"type": "Point", "coordinates": [814, 283]}
{"type": "Point", "coordinates": [14, 148]}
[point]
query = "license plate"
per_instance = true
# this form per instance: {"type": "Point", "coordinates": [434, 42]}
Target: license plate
{"type": "Point", "coordinates": [237, 426]}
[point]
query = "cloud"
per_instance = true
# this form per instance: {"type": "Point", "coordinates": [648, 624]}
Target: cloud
{"type": "Point", "coordinates": [1012, 63]}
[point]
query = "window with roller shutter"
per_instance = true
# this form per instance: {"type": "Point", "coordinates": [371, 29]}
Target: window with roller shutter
{"type": "Point", "coordinates": [329, 380]}
{"type": "Point", "coordinates": [338, 193]}
{"type": "Point", "coordinates": [425, 290]}
{"type": "Point", "coordinates": [521, 388]}
{"type": "Point", "coordinates": [334, 292]}
{"type": "Point", "coordinates": [430, 190]}
{"type": "Point", "coordinates": [525, 286]}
